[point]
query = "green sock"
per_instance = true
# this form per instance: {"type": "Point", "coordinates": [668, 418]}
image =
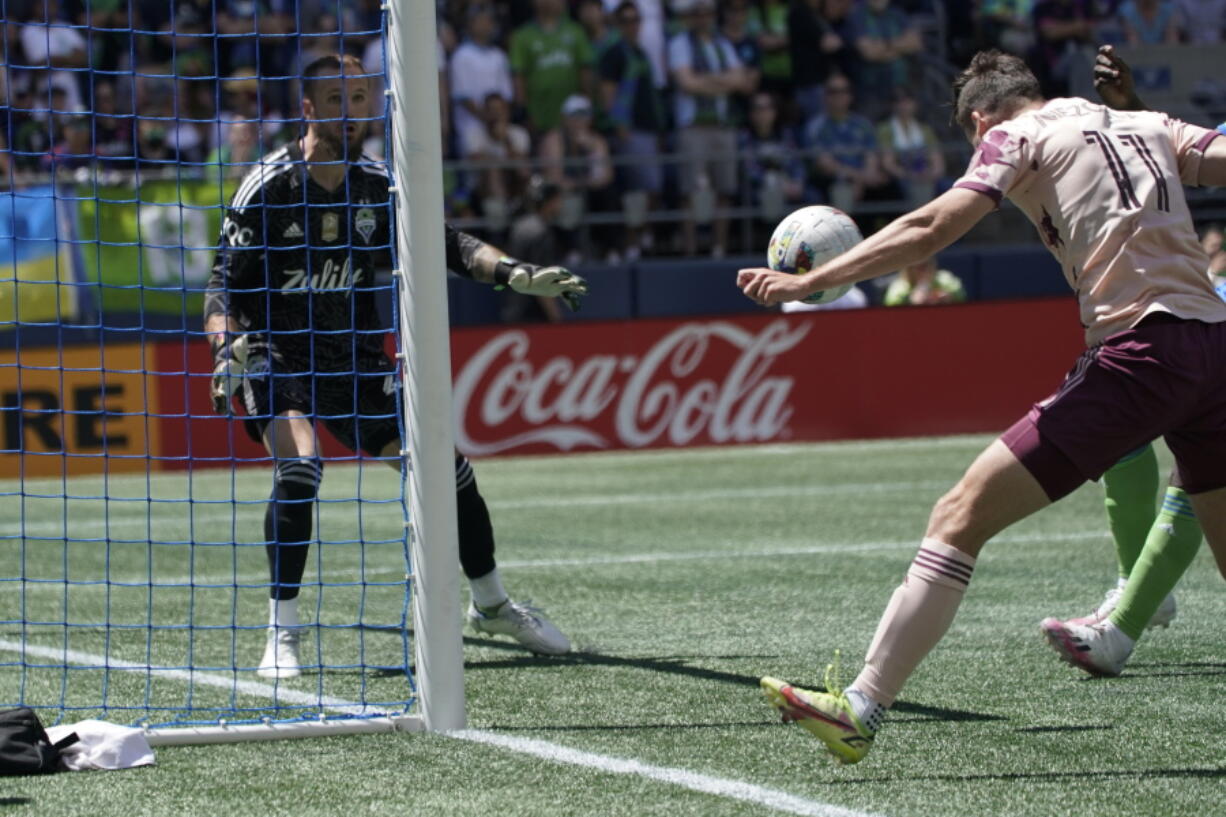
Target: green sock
{"type": "Point", "coordinates": [1170, 548]}
{"type": "Point", "coordinates": [1131, 486]}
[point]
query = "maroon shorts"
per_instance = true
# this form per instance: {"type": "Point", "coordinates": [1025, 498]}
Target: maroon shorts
{"type": "Point", "coordinates": [1164, 378]}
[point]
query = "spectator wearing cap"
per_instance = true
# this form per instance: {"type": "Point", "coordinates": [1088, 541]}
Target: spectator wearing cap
{"type": "Point", "coordinates": [551, 59]}
{"type": "Point", "coordinates": [57, 53]}
{"type": "Point", "coordinates": [885, 39]}
{"type": "Point", "coordinates": [576, 158]}
{"type": "Point", "coordinates": [706, 72]}
{"type": "Point", "coordinates": [635, 110]}
{"type": "Point", "coordinates": [479, 67]}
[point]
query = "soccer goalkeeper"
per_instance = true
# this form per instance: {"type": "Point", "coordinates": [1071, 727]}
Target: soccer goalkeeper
{"type": "Point", "coordinates": [291, 318]}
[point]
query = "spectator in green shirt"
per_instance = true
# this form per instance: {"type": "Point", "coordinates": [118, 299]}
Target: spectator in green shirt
{"type": "Point", "coordinates": [551, 59]}
{"type": "Point", "coordinates": [923, 284]}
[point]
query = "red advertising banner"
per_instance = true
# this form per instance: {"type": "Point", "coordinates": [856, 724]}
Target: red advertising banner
{"type": "Point", "coordinates": [588, 386]}
{"type": "Point", "coordinates": [757, 379]}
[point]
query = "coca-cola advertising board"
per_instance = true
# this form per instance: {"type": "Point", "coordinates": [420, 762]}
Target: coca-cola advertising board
{"type": "Point", "coordinates": [758, 379]}
{"type": "Point", "coordinates": [600, 386]}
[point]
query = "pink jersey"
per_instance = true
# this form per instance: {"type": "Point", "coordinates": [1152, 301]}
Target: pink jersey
{"type": "Point", "coordinates": [1103, 188]}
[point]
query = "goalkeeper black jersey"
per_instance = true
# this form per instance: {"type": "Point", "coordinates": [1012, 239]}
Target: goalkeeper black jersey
{"type": "Point", "coordinates": [296, 264]}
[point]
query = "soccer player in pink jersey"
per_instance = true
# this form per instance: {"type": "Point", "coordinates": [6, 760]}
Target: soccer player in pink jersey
{"type": "Point", "coordinates": [1103, 187]}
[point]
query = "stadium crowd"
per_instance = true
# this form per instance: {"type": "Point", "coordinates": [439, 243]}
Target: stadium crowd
{"type": "Point", "coordinates": [591, 114]}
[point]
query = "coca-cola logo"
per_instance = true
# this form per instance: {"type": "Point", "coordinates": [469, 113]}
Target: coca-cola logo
{"type": "Point", "coordinates": [680, 390]}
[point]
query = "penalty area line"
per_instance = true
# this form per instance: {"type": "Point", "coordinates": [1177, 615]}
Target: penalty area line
{"type": "Point", "coordinates": [694, 781]}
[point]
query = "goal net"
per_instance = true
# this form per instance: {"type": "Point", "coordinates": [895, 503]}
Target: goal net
{"type": "Point", "coordinates": [135, 569]}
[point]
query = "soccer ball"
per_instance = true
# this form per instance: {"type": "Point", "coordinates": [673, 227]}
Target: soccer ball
{"type": "Point", "coordinates": [808, 238]}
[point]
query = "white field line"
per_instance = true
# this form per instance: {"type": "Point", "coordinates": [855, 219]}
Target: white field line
{"type": "Point", "coordinates": [646, 557]}
{"type": "Point", "coordinates": [280, 694]}
{"type": "Point", "coordinates": [885, 445]}
{"type": "Point", "coordinates": [131, 517]}
{"type": "Point", "coordinates": [694, 781]}
{"type": "Point", "coordinates": [555, 753]}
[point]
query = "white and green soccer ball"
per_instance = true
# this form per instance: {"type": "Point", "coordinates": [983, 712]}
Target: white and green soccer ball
{"type": "Point", "coordinates": [809, 237]}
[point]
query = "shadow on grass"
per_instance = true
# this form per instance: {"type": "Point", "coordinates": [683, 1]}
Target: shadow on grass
{"type": "Point", "coordinates": [676, 665]}
{"type": "Point", "coordinates": [1102, 774]}
{"type": "Point", "coordinates": [633, 727]}
{"type": "Point", "coordinates": [15, 801]}
{"type": "Point", "coordinates": [1172, 669]}
{"type": "Point", "coordinates": [1046, 729]}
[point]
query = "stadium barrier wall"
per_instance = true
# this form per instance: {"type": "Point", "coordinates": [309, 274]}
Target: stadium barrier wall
{"type": "Point", "coordinates": [601, 385]}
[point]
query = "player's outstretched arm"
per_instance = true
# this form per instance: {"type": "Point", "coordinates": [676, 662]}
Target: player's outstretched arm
{"type": "Point", "coordinates": [486, 263]}
{"type": "Point", "coordinates": [908, 239]}
{"type": "Point", "coordinates": [1113, 81]}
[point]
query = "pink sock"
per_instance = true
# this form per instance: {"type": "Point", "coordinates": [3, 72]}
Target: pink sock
{"type": "Point", "coordinates": [916, 618]}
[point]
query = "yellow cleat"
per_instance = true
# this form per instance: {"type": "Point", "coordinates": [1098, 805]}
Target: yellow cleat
{"type": "Point", "coordinates": [826, 716]}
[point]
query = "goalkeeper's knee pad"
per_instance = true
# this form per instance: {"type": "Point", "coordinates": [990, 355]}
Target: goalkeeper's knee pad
{"type": "Point", "coordinates": [464, 475]}
{"type": "Point", "coordinates": [298, 480]}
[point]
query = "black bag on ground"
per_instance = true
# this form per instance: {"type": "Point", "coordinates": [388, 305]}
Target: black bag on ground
{"type": "Point", "coordinates": [24, 745]}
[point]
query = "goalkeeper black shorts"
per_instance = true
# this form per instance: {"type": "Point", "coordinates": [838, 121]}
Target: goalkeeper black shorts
{"type": "Point", "coordinates": [359, 408]}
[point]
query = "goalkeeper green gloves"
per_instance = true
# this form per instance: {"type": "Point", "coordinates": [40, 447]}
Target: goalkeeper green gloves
{"type": "Point", "coordinates": [229, 366]}
{"type": "Point", "coordinates": [551, 282]}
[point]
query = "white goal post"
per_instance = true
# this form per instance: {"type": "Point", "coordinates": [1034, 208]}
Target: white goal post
{"type": "Point", "coordinates": [425, 356]}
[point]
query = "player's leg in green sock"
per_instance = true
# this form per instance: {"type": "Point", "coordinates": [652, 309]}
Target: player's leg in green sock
{"type": "Point", "coordinates": [1170, 548]}
{"type": "Point", "coordinates": [1131, 486]}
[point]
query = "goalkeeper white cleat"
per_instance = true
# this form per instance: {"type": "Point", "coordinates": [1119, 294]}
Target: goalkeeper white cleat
{"type": "Point", "coordinates": [1162, 617]}
{"type": "Point", "coordinates": [523, 622]}
{"type": "Point", "coordinates": [280, 654]}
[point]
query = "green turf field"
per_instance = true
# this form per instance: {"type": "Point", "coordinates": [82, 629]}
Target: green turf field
{"type": "Point", "coordinates": [682, 577]}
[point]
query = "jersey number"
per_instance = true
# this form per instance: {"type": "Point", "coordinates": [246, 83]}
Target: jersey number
{"type": "Point", "coordinates": [1128, 197]}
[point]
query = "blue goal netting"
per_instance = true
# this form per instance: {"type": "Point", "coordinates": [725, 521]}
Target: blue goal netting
{"type": "Point", "coordinates": [152, 161]}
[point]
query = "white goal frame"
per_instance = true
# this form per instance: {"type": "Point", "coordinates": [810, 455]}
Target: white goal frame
{"type": "Point", "coordinates": [424, 353]}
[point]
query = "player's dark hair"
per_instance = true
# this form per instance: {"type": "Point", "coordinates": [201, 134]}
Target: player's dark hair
{"type": "Point", "coordinates": [993, 83]}
{"type": "Point", "coordinates": [330, 66]}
